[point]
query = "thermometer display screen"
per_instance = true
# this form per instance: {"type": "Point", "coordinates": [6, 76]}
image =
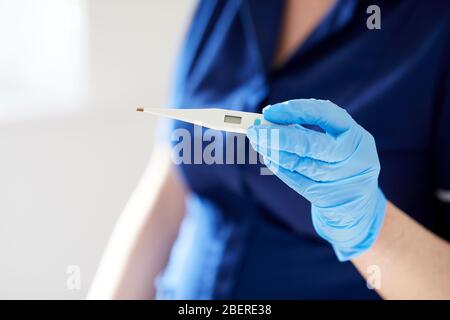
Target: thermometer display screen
{"type": "Point", "coordinates": [233, 119]}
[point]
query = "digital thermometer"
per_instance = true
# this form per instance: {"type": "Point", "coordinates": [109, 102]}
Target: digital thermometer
{"type": "Point", "coordinates": [214, 118]}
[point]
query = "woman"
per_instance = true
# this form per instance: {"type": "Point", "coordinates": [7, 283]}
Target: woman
{"type": "Point", "coordinates": [226, 231]}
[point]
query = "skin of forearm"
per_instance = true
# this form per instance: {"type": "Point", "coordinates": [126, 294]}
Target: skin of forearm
{"type": "Point", "coordinates": [413, 262]}
{"type": "Point", "coordinates": [142, 239]}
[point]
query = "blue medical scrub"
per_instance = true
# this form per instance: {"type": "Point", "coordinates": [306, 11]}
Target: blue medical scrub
{"type": "Point", "coordinates": [248, 235]}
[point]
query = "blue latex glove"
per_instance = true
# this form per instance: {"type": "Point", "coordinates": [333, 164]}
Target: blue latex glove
{"type": "Point", "coordinates": [337, 171]}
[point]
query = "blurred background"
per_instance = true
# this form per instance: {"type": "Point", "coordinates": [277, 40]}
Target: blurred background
{"type": "Point", "coordinates": [72, 147]}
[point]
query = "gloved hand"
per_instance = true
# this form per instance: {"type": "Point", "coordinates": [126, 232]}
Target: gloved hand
{"type": "Point", "coordinates": [337, 171]}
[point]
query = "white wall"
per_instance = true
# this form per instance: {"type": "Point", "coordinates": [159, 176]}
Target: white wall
{"type": "Point", "coordinates": [71, 146]}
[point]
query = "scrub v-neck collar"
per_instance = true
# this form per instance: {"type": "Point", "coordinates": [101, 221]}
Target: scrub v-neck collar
{"type": "Point", "coordinates": [263, 24]}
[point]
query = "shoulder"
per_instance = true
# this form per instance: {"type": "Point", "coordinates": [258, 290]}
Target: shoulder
{"type": "Point", "coordinates": [427, 22]}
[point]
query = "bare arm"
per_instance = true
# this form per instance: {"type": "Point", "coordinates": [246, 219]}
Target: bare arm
{"type": "Point", "coordinates": [413, 262]}
{"type": "Point", "coordinates": [142, 239]}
